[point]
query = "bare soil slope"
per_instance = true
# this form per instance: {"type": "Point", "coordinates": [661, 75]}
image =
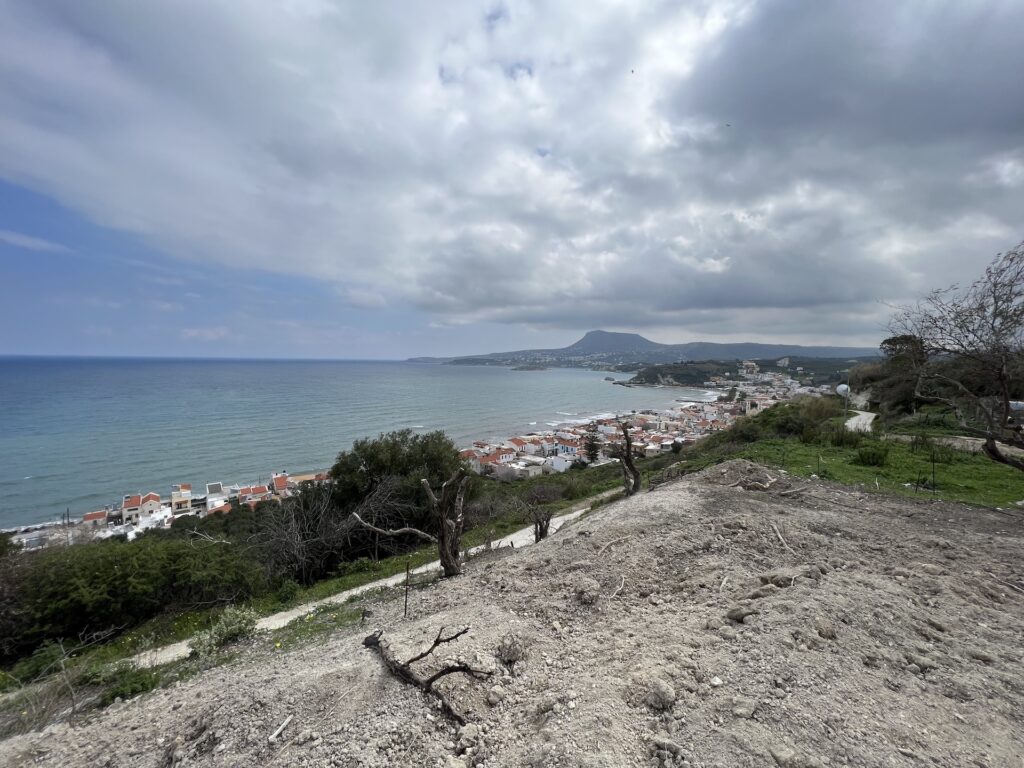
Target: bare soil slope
{"type": "Point", "coordinates": [702, 624]}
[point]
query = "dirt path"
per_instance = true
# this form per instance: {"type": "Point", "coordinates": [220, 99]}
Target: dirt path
{"type": "Point", "coordinates": [518, 539]}
{"type": "Point", "coordinates": [861, 422]}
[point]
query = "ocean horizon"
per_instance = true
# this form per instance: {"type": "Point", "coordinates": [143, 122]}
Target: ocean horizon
{"type": "Point", "coordinates": [80, 432]}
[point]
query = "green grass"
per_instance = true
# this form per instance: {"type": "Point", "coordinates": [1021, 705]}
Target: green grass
{"type": "Point", "coordinates": [969, 477]}
{"type": "Point", "coordinates": [313, 627]}
{"type": "Point", "coordinates": [930, 420]}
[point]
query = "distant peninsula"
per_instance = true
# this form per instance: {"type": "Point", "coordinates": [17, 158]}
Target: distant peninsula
{"type": "Point", "coordinates": [607, 350]}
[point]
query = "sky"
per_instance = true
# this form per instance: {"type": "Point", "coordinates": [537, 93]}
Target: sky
{"type": "Point", "coordinates": [318, 178]}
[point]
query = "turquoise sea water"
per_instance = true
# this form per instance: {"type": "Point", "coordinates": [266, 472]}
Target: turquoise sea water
{"type": "Point", "coordinates": [80, 433]}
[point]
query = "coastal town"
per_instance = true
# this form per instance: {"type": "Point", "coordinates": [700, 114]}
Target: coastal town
{"type": "Point", "coordinates": [558, 449]}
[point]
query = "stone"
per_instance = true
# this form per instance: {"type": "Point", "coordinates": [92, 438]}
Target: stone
{"type": "Point", "coordinates": [743, 707]}
{"type": "Point", "coordinates": [587, 591]}
{"type": "Point", "coordinates": [739, 613]}
{"type": "Point", "coordinates": [661, 695]}
{"type": "Point", "coordinates": [825, 628]}
{"type": "Point", "coordinates": [496, 695]}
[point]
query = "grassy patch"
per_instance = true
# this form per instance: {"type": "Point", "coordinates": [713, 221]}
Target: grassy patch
{"type": "Point", "coordinates": [315, 626]}
{"type": "Point", "coordinates": [965, 477]}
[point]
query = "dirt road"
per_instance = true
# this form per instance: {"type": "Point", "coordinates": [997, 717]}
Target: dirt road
{"type": "Point", "coordinates": [861, 422]}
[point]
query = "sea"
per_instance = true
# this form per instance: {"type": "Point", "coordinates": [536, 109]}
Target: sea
{"type": "Point", "coordinates": [77, 434]}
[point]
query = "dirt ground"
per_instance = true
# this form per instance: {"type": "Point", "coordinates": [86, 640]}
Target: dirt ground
{"type": "Point", "coordinates": [708, 623]}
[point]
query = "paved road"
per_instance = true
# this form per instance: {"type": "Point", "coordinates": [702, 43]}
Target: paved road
{"type": "Point", "coordinates": [861, 422]}
{"type": "Point", "coordinates": [520, 538]}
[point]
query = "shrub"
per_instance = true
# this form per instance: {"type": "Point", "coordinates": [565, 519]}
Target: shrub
{"type": "Point", "coordinates": [287, 591]}
{"type": "Point", "coordinates": [511, 649]}
{"type": "Point", "coordinates": [233, 624]}
{"type": "Point", "coordinates": [128, 682]}
{"type": "Point", "coordinates": [745, 431]}
{"type": "Point", "coordinates": [921, 443]}
{"type": "Point", "coordinates": [841, 437]}
{"type": "Point", "coordinates": [811, 434]}
{"type": "Point", "coordinates": [874, 455]}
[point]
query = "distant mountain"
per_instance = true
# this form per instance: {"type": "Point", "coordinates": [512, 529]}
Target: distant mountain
{"type": "Point", "coordinates": [601, 349]}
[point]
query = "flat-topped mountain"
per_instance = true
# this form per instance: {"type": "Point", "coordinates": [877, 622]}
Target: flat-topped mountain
{"type": "Point", "coordinates": [605, 348]}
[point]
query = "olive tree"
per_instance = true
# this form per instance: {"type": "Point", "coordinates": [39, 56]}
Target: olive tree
{"type": "Point", "coordinates": [968, 352]}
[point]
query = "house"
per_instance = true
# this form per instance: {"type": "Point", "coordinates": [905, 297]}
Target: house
{"type": "Point", "coordinates": [566, 446]}
{"type": "Point", "coordinates": [181, 499]}
{"type": "Point", "coordinates": [500, 456]}
{"type": "Point", "coordinates": [95, 519]}
{"type": "Point", "coordinates": [471, 459]}
{"type": "Point", "coordinates": [560, 462]}
{"type": "Point", "coordinates": [280, 485]}
{"type": "Point", "coordinates": [136, 507]}
{"type": "Point", "coordinates": [253, 493]}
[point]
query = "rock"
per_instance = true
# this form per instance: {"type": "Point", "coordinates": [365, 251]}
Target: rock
{"type": "Point", "coordinates": [825, 628]}
{"type": "Point", "coordinates": [763, 591]}
{"type": "Point", "coordinates": [922, 662]}
{"type": "Point", "coordinates": [980, 655]}
{"type": "Point", "coordinates": [743, 707]}
{"type": "Point", "coordinates": [661, 695]}
{"type": "Point", "coordinates": [455, 762]}
{"type": "Point", "coordinates": [784, 756]}
{"type": "Point", "coordinates": [739, 613]}
{"type": "Point", "coordinates": [716, 682]}
{"type": "Point", "coordinates": [496, 695]}
{"type": "Point", "coordinates": [663, 742]}
{"type": "Point", "coordinates": [587, 591]}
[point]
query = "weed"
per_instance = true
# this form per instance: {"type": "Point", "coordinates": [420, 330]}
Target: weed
{"type": "Point", "coordinates": [874, 455]}
{"type": "Point", "coordinates": [233, 624]}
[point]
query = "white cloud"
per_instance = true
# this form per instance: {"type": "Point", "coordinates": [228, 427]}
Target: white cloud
{"type": "Point", "coordinates": [218, 333]}
{"type": "Point", "coordinates": [29, 243]}
{"type": "Point", "coordinates": [567, 164]}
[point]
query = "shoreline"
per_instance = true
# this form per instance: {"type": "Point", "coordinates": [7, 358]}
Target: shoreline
{"type": "Point", "coordinates": [567, 420]}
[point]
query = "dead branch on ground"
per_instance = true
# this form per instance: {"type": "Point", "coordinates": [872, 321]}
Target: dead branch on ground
{"type": "Point", "coordinates": [403, 669]}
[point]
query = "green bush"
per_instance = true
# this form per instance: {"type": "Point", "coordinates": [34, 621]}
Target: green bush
{"type": "Point", "coordinates": [810, 434]}
{"type": "Point", "coordinates": [745, 431]}
{"type": "Point", "coordinates": [873, 455]}
{"type": "Point", "coordinates": [287, 591]}
{"type": "Point", "coordinates": [233, 624]}
{"type": "Point", "coordinates": [841, 437]}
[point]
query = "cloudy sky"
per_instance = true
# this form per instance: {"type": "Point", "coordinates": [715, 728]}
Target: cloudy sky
{"type": "Point", "coordinates": [329, 178]}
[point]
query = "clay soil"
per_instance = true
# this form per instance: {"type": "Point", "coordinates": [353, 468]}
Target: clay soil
{"type": "Point", "coordinates": [707, 623]}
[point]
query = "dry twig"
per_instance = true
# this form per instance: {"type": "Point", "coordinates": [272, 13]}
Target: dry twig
{"type": "Point", "coordinates": [779, 534]}
{"type": "Point", "coordinates": [612, 543]}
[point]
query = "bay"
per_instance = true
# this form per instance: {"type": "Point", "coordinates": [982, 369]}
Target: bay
{"type": "Point", "coordinates": [79, 433]}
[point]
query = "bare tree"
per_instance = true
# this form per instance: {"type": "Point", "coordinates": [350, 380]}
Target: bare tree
{"type": "Point", "coordinates": [307, 534]}
{"type": "Point", "coordinates": [972, 343]}
{"type": "Point", "coordinates": [448, 518]}
{"type": "Point", "coordinates": [630, 474]}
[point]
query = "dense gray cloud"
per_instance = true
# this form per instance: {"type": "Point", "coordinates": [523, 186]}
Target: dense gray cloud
{"type": "Point", "coordinates": [710, 168]}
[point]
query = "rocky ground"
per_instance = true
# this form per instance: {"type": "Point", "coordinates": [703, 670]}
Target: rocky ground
{"type": "Point", "coordinates": [735, 618]}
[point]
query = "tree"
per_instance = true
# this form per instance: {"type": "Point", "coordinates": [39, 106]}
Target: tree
{"type": "Point", "coordinates": [400, 460]}
{"type": "Point", "coordinates": [966, 349]}
{"type": "Point", "coordinates": [592, 443]}
{"type": "Point", "coordinates": [447, 519]}
{"type": "Point", "coordinates": [630, 474]}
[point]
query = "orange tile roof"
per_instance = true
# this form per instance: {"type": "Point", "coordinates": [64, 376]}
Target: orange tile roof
{"type": "Point", "coordinates": [88, 517]}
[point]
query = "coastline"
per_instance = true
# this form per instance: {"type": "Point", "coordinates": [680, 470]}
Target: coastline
{"type": "Point", "coordinates": [514, 424]}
